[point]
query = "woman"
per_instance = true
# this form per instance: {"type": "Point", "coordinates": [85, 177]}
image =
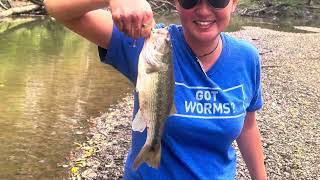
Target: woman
{"type": "Point", "coordinates": [217, 78]}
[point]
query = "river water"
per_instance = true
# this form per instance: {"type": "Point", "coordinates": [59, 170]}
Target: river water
{"type": "Point", "coordinates": [51, 82]}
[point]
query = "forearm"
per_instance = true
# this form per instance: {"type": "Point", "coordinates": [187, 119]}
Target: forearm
{"type": "Point", "coordinates": [66, 10]}
{"type": "Point", "coordinates": [249, 143]}
{"type": "Point", "coordinates": [85, 17]}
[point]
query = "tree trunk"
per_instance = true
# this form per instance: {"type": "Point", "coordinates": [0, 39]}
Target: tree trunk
{"type": "Point", "coordinates": [19, 10]}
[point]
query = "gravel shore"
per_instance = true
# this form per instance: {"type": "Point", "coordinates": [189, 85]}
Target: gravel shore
{"type": "Point", "coordinates": [289, 121]}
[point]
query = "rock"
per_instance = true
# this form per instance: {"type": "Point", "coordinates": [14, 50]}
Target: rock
{"type": "Point", "coordinates": [89, 174]}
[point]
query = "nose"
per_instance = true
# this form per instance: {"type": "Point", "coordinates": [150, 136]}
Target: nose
{"type": "Point", "coordinates": [203, 7]}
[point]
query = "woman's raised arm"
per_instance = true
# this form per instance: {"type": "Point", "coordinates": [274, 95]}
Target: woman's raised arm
{"type": "Point", "coordinates": [89, 18]}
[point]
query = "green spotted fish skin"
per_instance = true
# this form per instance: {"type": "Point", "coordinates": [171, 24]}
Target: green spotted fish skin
{"type": "Point", "coordinates": [155, 85]}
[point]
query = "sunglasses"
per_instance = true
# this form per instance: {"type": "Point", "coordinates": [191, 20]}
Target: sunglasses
{"type": "Point", "coordinates": [189, 4]}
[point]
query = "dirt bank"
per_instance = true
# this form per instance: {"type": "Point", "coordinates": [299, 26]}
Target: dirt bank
{"type": "Point", "coordinates": [289, 121]}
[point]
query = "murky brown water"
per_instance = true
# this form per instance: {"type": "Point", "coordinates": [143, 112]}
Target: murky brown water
{"type": "Point", "coordinates": [51, 81]}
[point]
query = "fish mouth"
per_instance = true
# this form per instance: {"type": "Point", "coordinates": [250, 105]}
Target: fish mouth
{"type": "Point", "coordinates": [204, 23]}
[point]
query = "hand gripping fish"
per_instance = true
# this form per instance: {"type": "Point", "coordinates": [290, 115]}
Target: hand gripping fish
{"type": "Point", "coordinates": [155, 85]}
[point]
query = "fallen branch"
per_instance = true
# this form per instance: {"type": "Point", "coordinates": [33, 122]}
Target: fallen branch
{"type": "Point", "coordinates": [161, 6]}
{"type": "Point", "coordinates": [269, 66]}
{"type": "Point", "coordinates": [19, 10]}
{"type": "Point", "coordinates": [9, 3]}
{"type": "Point", "coordinates": [40, 3]}
{"type": "Point", "coordinates": [11, 28]}
{"type": "Point", "coordinates": [102, 133]}
{"type": "Point", "coordinates": [262, 53]}
{"type": "Point", "coordinates": [312, 7]}
{"type": "Point", "coordinates": [257, 11]}
{"type": "Point", "coordinates": [3, 6]}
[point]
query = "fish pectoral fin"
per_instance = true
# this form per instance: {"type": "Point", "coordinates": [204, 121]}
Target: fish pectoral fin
{"type": "Point", "coordinates": [155, 67]}
{"type": "Point", "coordinates": [138, 123]}
{"type": "Point", "coordinates": [154, 63]}
{"type": "Point", "coordinates": [138, 86]}
{"type": "Point", "coordinates": [173, 109]}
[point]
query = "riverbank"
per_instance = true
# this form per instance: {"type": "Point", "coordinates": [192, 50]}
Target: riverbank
{"type": "Point", "coordinates": [289, 121]}
{"type": "Point", "coordinates": [280, 10]}
{"type": "Point", "coordinates": [245, 8]}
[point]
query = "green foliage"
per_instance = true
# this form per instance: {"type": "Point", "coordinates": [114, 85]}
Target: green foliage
{"type": "Point", "coordinates": [277, 2]}
{"type": "Point", "coordinates": [249, 3]}
{"type": "Point", "coordinates": [288, 2]}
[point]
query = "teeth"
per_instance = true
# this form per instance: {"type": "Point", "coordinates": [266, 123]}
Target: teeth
{"type": "Point", "coordinates": [204, 23]}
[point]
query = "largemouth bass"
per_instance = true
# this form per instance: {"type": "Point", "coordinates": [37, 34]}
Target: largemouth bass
{"type": "Point", "coordinates": [155, 85]}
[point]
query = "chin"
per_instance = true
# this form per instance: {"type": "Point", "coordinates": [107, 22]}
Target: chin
{"type": "Point", "coordinates": [205, 37]}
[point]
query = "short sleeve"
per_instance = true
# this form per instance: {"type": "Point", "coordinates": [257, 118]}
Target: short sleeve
{"type": "Point", "coordinates": [257, 100]}
{"type": "Point", "coordinates": [122, 54]}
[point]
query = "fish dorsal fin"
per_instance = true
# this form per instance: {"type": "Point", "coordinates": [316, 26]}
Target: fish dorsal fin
{"type": "Point", "coordinates": [173, 109]}
{"type": "Point", "coordinates": [138, 123]}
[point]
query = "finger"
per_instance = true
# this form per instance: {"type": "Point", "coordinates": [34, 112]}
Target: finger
{"type": "Point", "coordinates": [127, 24]}
{"type": "Point", "coordinates": [116, 16]}
{"type": "Point", "coordinates": [147, 25]}
{"type": "Point", "coordinates": [136, 24]}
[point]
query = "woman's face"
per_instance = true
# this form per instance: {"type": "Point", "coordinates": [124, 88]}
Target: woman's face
{"type": "Point", "coordinates": [203, 22]}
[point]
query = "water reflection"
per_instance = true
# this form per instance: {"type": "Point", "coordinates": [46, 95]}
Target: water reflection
{"type": "Point", "coordinates": [51, 81]}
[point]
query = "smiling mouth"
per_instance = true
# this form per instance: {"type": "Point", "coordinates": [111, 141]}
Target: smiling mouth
{"type": "Point", "coordinates": [204, 23]}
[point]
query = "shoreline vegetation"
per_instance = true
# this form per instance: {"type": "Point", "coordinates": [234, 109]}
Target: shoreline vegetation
{"type": "Point", "coordinates": [308, 9]}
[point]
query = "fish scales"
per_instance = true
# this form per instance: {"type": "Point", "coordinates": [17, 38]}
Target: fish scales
{"type": "Point", "coordinates": [155, 85]}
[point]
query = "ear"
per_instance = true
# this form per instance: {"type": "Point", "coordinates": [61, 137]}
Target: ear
{"type": "Point", "coordinates": [234, 5]}
{"type": "Point", "coordinates": [176, 5]}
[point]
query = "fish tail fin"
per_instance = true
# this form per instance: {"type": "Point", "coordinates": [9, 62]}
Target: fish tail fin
{"type": "Point", "coordinates": [149, 154]}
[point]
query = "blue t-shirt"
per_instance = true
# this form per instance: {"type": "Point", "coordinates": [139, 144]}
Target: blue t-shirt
{"type": "Point", "coordinates": [211, 107]}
